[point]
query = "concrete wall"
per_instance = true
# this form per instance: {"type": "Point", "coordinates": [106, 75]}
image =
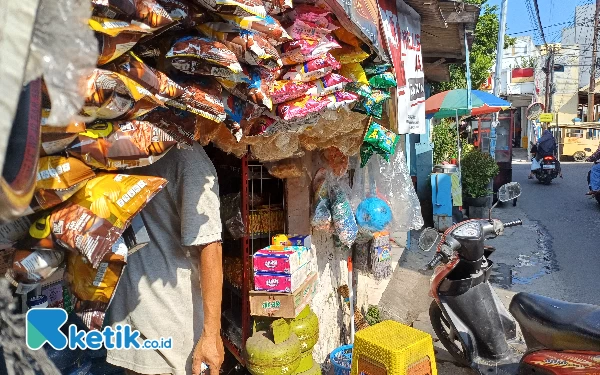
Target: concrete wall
{"type": "Point", "coordinates": [582, 33]}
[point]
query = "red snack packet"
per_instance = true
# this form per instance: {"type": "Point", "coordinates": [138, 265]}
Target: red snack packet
{"type": "Point", "coordinates": [310, 13]}
{"type": "Point", "coordinates": [313, 69]}
{"type": "Point", "coordinates": [299, 51]}
{"type": "Point", "coordinates": [283, 91]}
{"type": "Point", "coordinates": [307, 30]}
{"type": "Point", "coordinates": [300, 108]}
{"type": "Point", "coordinates": [329, 84]}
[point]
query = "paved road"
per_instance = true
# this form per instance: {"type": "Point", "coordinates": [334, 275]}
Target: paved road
{"type": "Point", "coordinates": [568, 236]}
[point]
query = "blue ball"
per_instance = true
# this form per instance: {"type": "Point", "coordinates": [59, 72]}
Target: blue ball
{"type": "Point", "coordinates": [373, 214]}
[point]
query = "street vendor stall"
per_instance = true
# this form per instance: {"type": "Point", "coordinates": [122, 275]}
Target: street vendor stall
{"type": "Point", "coordinates": [290, 100]}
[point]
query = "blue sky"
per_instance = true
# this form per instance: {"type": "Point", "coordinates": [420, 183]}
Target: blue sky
{"type": "Point", "coordinates": [551, 12]}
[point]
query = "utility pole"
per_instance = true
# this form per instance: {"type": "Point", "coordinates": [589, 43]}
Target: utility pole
{"type": "Point", "coordinates": [498, 73]}
{"type": "Point", "coordinates": [551, 96]}
{"type": "Point", "coordinates": [592, 87]}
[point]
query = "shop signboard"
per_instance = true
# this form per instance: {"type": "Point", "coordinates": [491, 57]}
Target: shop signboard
{"type": "Point", "coordinates": [546, 117]}
{"type": "Point", "coordinates": [401, 27]}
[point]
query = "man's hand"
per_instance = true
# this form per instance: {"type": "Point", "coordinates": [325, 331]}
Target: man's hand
{"type": "Point", "coordinates": [209, 350]}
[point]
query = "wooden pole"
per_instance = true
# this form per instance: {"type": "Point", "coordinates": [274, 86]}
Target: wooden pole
{"type": "Point", "coordinates": [592, 87]}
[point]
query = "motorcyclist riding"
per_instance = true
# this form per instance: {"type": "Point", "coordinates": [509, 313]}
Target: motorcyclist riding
{"type": "Point", "coordinates": [547, 146]}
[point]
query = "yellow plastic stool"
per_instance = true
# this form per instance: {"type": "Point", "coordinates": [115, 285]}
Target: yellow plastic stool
{"type": "Point", "coordinates": [392, 348]}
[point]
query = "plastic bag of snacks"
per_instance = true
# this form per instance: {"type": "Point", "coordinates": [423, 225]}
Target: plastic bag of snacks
{"type": "Point", "coordinates": [248, 46]}
{"type": "Point", "coordinates": [58, 179]}
{"type": "Point", "coordinates": [151, 79]}
{"type": "Point", "coordinates": [275, 7]}
{"type": "Point", "coordinates": [147, 12]}
{"type": "Point", "coordinates": [354, 72]}
{"type": "Point", "coordinates": [328, 85]}
{"type": "Point", "coordinates": [30, 267]}
{"type": "Point", "coordinates": [350, 55]}
{"type": "Point", "coordinates": [283, 91]}
{"type": "Point", "coordinates": [313, 69]}
{"type": "Point", "coordinates": [302, 50]}
{"type": "Point", "coordinates": [235, 111]}
{"type": "Point", "coordinates": [372, 104]}
{"type": "Point", "coordinates": [344, 221]}
{"type": "Point", "coordinates": [178, 123]}
{"type": "Point", "coordinates": [383, 80]}
{"type": "Point", "coordinates": [336, 160]}
{"type": "Point", "coordinates": [302, 107]}
{"type": "Point", "coordinates": [378, 140]}
{"type": "Point", "coordinates": [95, 217]}
{"type": "Point", "coordinates": [209, 52]}
{"type": "Point", "coordinates": [93, 288]}
{"type": "Point", "coordinates": [110, 95]}
{"type": "Point", "coordinates": [122, 144]}
{"type": "Point", "coordinates": [236, 7]}
{"type": "Point", "coordinates": [268, 27]}
{"type": "Point", "coordinates": [112, 47]}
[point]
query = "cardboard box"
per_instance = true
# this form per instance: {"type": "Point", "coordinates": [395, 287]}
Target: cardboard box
{"type": "Point", "coordinates": [283, 305]}
{"type": "Point", "coordinates": [284, 283]}
{"type": "Point", "coordinates": [294, 240]}
{"type": "Point", "coordinates": [285, 261]}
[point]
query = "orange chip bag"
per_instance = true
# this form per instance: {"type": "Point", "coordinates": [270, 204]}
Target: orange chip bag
{"type": "Point", "coordinates": [93, 288]}
{"type": "Point", "coordinates": [121, 144]}
{"type": "Point", "coordinates": [96, 216]}
{"type": "Point", "coordinates": [58, 179]}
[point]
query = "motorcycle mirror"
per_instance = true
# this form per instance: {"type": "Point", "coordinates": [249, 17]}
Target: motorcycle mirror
{"type": "Point", "coordinates": [428, 238]}
{"type": "Point", "coordinates": [508, 192]}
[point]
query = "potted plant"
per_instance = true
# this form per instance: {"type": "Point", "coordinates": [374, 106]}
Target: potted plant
{"type": "Point", "coordinates": [477, 170]}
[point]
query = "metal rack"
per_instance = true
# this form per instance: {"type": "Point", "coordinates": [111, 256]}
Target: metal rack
{"type": "Point", "coordinates": [255, 180]}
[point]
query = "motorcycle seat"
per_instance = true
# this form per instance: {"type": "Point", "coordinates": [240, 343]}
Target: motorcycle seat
{"type": "Point", "coordinates": [547, 323]}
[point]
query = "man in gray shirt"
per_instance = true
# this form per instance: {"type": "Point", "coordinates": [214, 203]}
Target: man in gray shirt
{"type": "Point", "coordinates": [173, 286]}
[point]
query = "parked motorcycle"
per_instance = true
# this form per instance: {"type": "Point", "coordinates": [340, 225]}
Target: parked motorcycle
{"type": "Point", "coordinates": [548, 170]}
{"type": "Point", "coordinates": [472, 323]}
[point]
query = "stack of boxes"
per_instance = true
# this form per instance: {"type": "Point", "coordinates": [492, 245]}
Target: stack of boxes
{"type": "Point", "coordinates": [285, 277]}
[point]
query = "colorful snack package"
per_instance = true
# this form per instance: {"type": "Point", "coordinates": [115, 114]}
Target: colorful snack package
{"type": "Point", "coordinates": [354, 72]}
{"type": "Point", "coordinates": [382, 140]}
{"type": "Point", "coordinates": [150, 13]}
{"type": "Point", "coordinates": [283, 91]}
{"type": "Point", "coordinates": [336, 160]}
{"type": "Point", "coordinates": [110, 95]}
{"type": "Point", "coordinates": [151, 79]}
{"type": "Point", "coordinates": [268, 27]}
{"type": "Point", "coordinates": [114, 8]}
{"type": "Point", "coordinates": [344, 221]}
{"type": "Point", "coordinates": [248, 46]}
{"type": "Point", "coordinates": [300, 108]}
{"type": "Point", "coordinates": [197, 67]}
{"type": "Point", "coordinates": [300, 29]}
{"type": "Point", "coordinates": [259, 125]}
{"type": "Point", "coordinates": [177, 123]}
{"type": "Point", "coordinates": [276, 7]}
{"type": "Point", "coordinates": [348, 55]}
{"type": "Point", "coordinates": [328, 85]}
{"type": "Point", "coordinates": [310, 13]}
{"type": "Point", "coordinates": [114, 27]}
{"type": "Point", "coordinates": [147, 12]}
{"type": "Point", "coordinates": [259, 87]}
{"type": "Point", "coordinates": [54, 143]}
{"type": "Point", "coordinates": [93, 288]}
{"type": "Point", "coordinates": [206, 50]}
{"type": "Point", "coordinates": [241, 8]}
{"type": "Point", "coordinates": [377, 69]}
{"type": "Point", "coordinates": [207, 130]}
{"type": "Point", "coordinates": [96, 216]}
{"type": "Point", "coordinates": [383, 81]}
{"type": "Point", "coordinates": [202, 97]}
{"type": "Point", "coordinates": [121, 144]}
{"type": "Point", "coordinates": [372, 104]}
{"type": "Point", "coordinates": [345, 36]}
{"type": "Point", "coordinates": [58, 179]}
{"type": "Point", "coordinates": [234, 109]}
{"type": "Point", "coordinates": [314, 69]}
{"type": "Point", "coordinates": [341, 99]}
{"type": "Point", "coordinates": [30, 267]}
{"type": "Point", "coordinates": [299, 51]}
{"type": "Point", "coordinates": [112, 47]}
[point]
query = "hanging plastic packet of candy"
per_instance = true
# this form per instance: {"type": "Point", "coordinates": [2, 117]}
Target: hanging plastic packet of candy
{"type": "Point", "coordinates": [96, 216]}
{"type": "Point", "coordinates": [354, 72]}
{"type": "Point", "coordinates": [121, 144]}
{"type": "Point", "coordinates": [176, 121]}
{"type": "Point", "coordinates": [283, 91]}
{"type": "Point", "coordinates": [112, 47]}
{"type": "Point", "coordinates": [300, 108]}
{"type": "Point", "coordinates": [372, 104]}
{"type": "Point", "coordinates": [378, 140]}
{"type": "Point", "coordinates": [336, 160]}
{"type": "Point", "coordinates": [202, 97]}
{"type": "Point", "coordinates": [301, 29]}
{"type": "Point", "coordinates": [302, 50]}
{"type": "Point", "coordinates": [383, 81]}
{"type": "Point", "coordinates": [57, 180]}
{"type": "Point", "coordinates": [267, 26]}
{"type": "Point", "coordinates": [344, 221]}
{"type": "Point", "coordinates": [207, 50]}
{"type": "Point", "coordinates": [313, 69]}
{"type": "Point", "coordinates": [259, 87]}
{"type": "Point", "coordinates": [234, 109]}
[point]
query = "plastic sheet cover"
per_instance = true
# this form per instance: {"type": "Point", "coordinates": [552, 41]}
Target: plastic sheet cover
{"type": "Point", "coordinates": [64, 51]}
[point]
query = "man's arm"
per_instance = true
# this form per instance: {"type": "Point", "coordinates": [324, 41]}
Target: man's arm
{"type": "Point", "coordinates": [210, 347]}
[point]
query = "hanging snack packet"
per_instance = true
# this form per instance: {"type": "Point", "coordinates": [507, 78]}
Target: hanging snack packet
{"type": "Point", "coordinates": [268, 27]}
{"type": "Point", "coordinates": [382, 140]}
{"type": "Point", "coordinates": [344, 221]}
{"type": "Point", "coordinates": [310, 13]}
{"type": "Point", "coordinates": [314, 69]}
{"type": "Point", "coordinates": [206, 50]}
{"type": "Point", "coordinates": [372, 104]}
{"type": "Point", "coordinates": [349, 55]}
{"type": "Point", "coordinates": [177, 123]}
{"type": "Point", "coordinates": [328, 85]}
{"type": "Point", "coordinates": [259, 87]}
{"type": "Point", "coordinates": [114, 27]}
{"type": "Point", "coordinates": [112, 47]}
{"type": "Point", "coordinates": [58, 179]}
{"type": "Point", "coordinates": [259, 125]}
{"type": "Point", "coordinates": [94, 218]}
{"type": "Point", "coordinates": [155, 81]}
{"type": "Point", "coordinates": [30, 267]}
{"type": "Point", "coordinates": [300, 29]}
{"type": "Point", "coordinates": [340, 99]}
{"type": "Point", "coordinates": [202, 97]}
{"type": "Point", "coordinates": [93, 288]}
{"type": "Point", "coordinates": [234, 109]}
{"type": "Point", "coordinates": [283, 91]}
{"type": "Point", "coordinates": [110, 95]}
{"type": "Point", "coordinates": [124, 9]}
{"type": "Point", "coordinates": [377, 69]}
{"type": "Point", "coordinates": [235, 7]}
{"type": "Point", "coordinates": [299, 51]}
{"type": "Point", "coordinates": [121, 144]}
{"type": "Point", "coordinates": [354, 72]}
{"type": "Point", "coordinates": [248, 46]}
{"type": "Point", "coordinates": [383, 81]}
{"type": "Point", "coordinates": [346, 36]}
{"type": "Point", "coordinates": [300, 108]}
{"type": "Point", "coordinates": [147, 12]}
{"type": "Point", "coordinates": [275, 7]}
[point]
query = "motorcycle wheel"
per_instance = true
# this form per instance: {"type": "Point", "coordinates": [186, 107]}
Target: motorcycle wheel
{"type": "Point", "coordinates": [445, 332]}
{"type": "Point", "coordinates": [579, 156]}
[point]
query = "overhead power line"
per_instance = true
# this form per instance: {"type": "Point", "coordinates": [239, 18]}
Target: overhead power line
{"type": "Point", "coordinates": [539, 19]}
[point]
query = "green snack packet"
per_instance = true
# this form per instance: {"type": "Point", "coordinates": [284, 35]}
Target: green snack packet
{"type": "Point", "coordinates": [366, 151]}
{"type": "Point", "coordinates": [373, 103]}
{"type": "Point", "coordinates": [359, 88]}
{"type": "Point", "coordinates": [382, 140]}
{"type": "Point", "coordinates": [383, 81]}
{"type": "Point", "coordinates": [377, 69]}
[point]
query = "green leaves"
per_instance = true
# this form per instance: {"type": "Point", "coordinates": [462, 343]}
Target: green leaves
{"type": "Point", "coordinates": [477, 170]}
{"type": "Point", "coordinates": [444, 142]}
